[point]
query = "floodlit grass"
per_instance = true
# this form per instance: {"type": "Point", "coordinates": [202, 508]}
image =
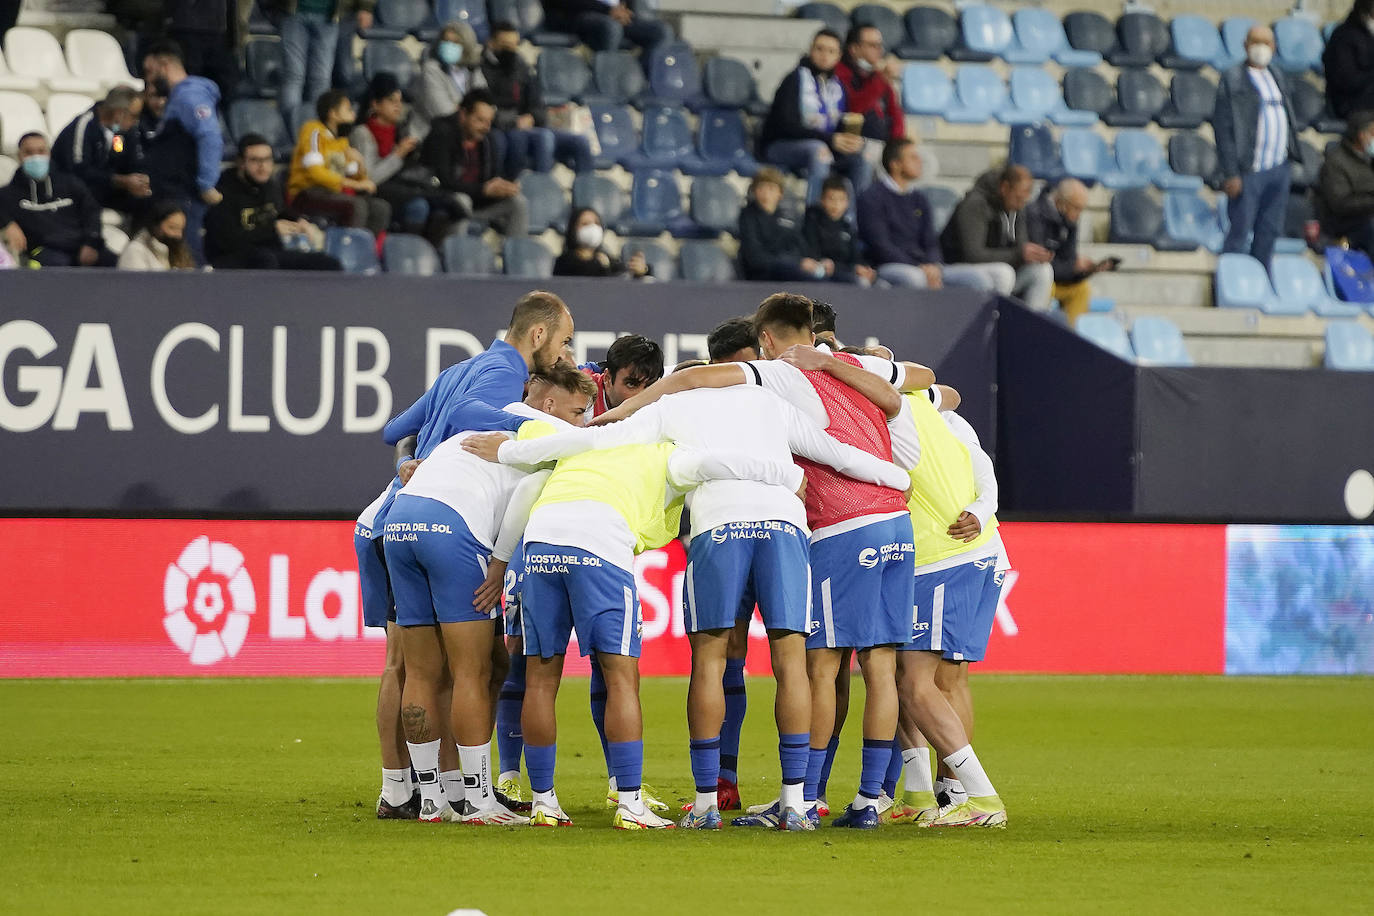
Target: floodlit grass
{"type": "Point", "coordinates": [1125, 794]}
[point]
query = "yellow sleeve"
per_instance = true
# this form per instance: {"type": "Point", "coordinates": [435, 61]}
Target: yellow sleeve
{"type": "Point", "coordinates": [312, 149]}
{"type": "Point", "coordinates": [535, 429]}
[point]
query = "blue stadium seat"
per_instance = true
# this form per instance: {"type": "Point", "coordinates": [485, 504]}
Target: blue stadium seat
{"type": "Point", "coordinates": [1242, 283]}
{"type": "Point", "coordinates": [883, 18]}
{"type": "Point", "coordinates": [395, 19]}
{"type": "Point", "coordinates": [260, 116]}
{"type": "Point", "coordinates": [942, 200]}
{"type": "Point", "coordinates": [833, 17]}
{"type": "Point", "coordinates": [673, 74]}
{"type": "Point", "coordinates": [723, 144]}
{"type": "Point", "coordinates": [704, 262]}
{"type": "Point", "coordinates": [984, 33]}
{"type": "Point", "coordinates": [1192, 154]}
{"type": "Point", "coordinates": [1036, 96]}
{"type": "Point", "coordinates": [1298, 45]}
{"type": "Point", "coordinates": [981, 96]}
{"type": "Point", "coordinates": [601, 194]}
{"type": "Point", "coordinates": [931, 33]}
{"type": "Point", "coordinates": [1135, 218]}
{"type": "Point", "coordinates": [390, 57]}
{"type": "Point", "coordinates": [468, 254]}
{"type": "Point", "coordinates": [1107, 333]}
{"type": "Point", "coordinates": [1141, 40]}
{"type": "Point", "coordinates": [1139, 98]}
{"type": "Point", "coordinates": [1039, 36]}
{"type": "Point", "coordinates": [1192, 98]}
{"type": "Point", "coordinates": [1189, 218]}
{"type": "Point", "coordinates": [1085, 156]}
{"type": "Point", "coordinates": [1233, 32]}
{"type": "Point", "coordinates": [1086, 90]}
{"type": "Point", "coordinates": [619, 78]}
{"type": "Point", "coordinates": [715, 205]}
{"type": "Point", "coordinates": [1309, 103]}
{"type": "Point", "coordinates": [263, 60]}
{"type": "Point", "coordinates": [355, 249]}
{"type": "Point", "coordinates": [655, 205]}
{"type": "Point", "coordinates": [474, 13]}
{"type": "Point", "coordinates": [1139, 154]}
{"type": "Point", "coordinates": [667, 141]}
{"type": "Point", "coordinates": [1298, 283]}
{"type": "Point", "coordinates": [1033, 146]}
{"type": "Point", "coordinates": [660, 260]}
{"type": "Point", "coordinates": [529, 16]}
{"type": "Point", "coordinates": [728, 83]}
{"type": "Point", "coordinates": [1193, 43]}
{"type": "Point", "coordinates": [548, 205]}
{"type": "Point", "coordinates": [1158, 342]}
{"type": "Point", "coordinates": [527, 258]}
{"type": "Point", "coordinates": [926, 90]}
{"type": "Point", "coordinates": [409, 254]}
{"type": "Point", "coordinates": [615, 131]}
{"type": "Point", "coordinates": [563, 76]}
{"type": "Point", "coordinates": [1089, 31]}
{"type": "Point", "coordinates": [1349, 347]}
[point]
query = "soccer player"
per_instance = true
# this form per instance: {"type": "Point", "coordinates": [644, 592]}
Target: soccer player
{"type": "Point", "coordinates": [632, 364]}
{"type": "Point", "coordinates": [439, 538]}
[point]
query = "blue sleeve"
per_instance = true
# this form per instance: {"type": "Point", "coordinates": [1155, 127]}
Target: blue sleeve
{"type": "Point", "coordinates": [480, 406]}
{"type": "Point", "coordinates": [408, 422]}
{"type": "Point", "coordinates": [195, 109]}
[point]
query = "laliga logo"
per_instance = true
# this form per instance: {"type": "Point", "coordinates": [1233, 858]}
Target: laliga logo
{"type": "Point", "coordinates": [868, 558]}
{"type": "Point", "coordinates": [208, 597]}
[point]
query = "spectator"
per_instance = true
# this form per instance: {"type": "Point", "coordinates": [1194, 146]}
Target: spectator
{"type": "Point", "coordinates": [161, 243]}
{"type": "Point", "coordinates": [100, 147]}
{"type": "Point", "coordinates": [605, 24]}
{"type": "Point", "coordinates": [583, 255]}
{"type": "Point", "coordinates": [205, 31]}
{"type": "Point", "coordinates": [1349, 62]}
{"type": "Point", "coordinates": [770, 244]}
{"type": "Point", "coordinates": [1345, 189]}
{"type": "Point", "coordinates": [183, 156]}
{"type": "Point", "coordinates": [462, 154]}
{"type": "Point", "coordinates": [867, 89]}
{"type": "Point", "coordinates": [734, 340]}
{"type": "Point", "coordinates": [1253, 126]}
{"type": "Point", "coordinates": [245, 229]}
{"type": "Point", "coordinates": [632, 364]}
{"type": "Point", "coordinates": [48, 216]}
{"type": "Point", "coordinates": [450, 71]}
{"type": "Point", "coordinates": [309, 38]}
{"type": "Point", "coordinates": [897, 226]}
{"type": "Point", "coordinates": [829, 235]}
{"type": "Point", "coordinates": [988, 228]}
{"type": "Point", "coordinates": [520, 113]}
{"type": "Point", "coordinates": [327, 175]}
{"type": "Point", "coordinates": [391, 158]}
{"type": "Point", "coordinates": [803, 129]}
{"type": "Point", "coordinates": [1052, 223]}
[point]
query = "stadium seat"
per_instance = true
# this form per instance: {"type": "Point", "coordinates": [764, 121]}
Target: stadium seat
{"type": "Point", "coordinates": [1089, 31]}
{"type": "Point", "coordinates": [833, 17]}
{"type": "Point", "coordinates": [655, 205]}
{"type": "Point", "coordinates": [1035, 96]}
{"type": "Point", "coordinates": [1306, 170]}
{"type": "Point", "coordinates": [1192, 97]}
{"type": "Point", "coordinates": [1242, 283]}
{"type": "Point", "coordinates": [1349, 347]}
{"type": "Point", "coordinates": [1139, 154]}
{"type": "Point", "coordinates": [1233, 32]}
{"type": "Point", "coordinates": [601, 194]}
{"type": "Point", "coordinates": [728, 83]}
{"type": "Point", "coordinates": [666, 143]}
{"type": "Point", "coordinates": [1158, 342]}
{"type": "Point", "coordinates": [395, 19]}
{"type": "Point", "coordinates": [615, 132]}
{"type": "Point", "coordinates": [1141, 40]}
{"type": "Point", "coordinates": [527, 258]}
{"type": "Point", "coordinates": [660, 260]}
{"type": "Point", "coordinates": [13, 82]}
{"type": "Point", "coordinates": [1086, 90]}
{"type": "Point", "coordinates": [1033, 146]}
{"type": "Point", "coordinates": [619, 78]}
{"type": "Point", "coordinates": [704, 262]}
{"type": "Point", "coordinates": [723, 144]}
{"type": "Point", "coordinates": [1139, 98]}
{"type": "Point", "coordinates": [1298, 45]}
{"type": "Point", "coordinates": [96, 55]}
{"type": "Point", "coordinates": [926, 90]}
{"type": "Point", "coordinates": [355, 249]}
{"type": "Point", "coordinates": [409, 254]}
{"type": "Point", "coordinates": [673, 75]}
{"type": "Point", "coordinates": [1192, 154]}
{"type": "Point", "coordinates": [1085, 156]}
{"type": "Point", "coordinates": [390, 57]}
{"type": "Point", "coordinates": [260, 116]}
{"type": "Point", "coordinates": [35, 53]}
{"type": "Point", "coordinates": [715, 205]}
{"type": "Point", "coordinates": [931, 32]}
{"type": "Point", "coordinates": [19, 114]}
{"type": "Point", "coordinates": [468, 254]}
{"type": "Point", "coordinates": [1298, 282]}
{"type": "Point", "coordinates": [1189, 218]}
{"type": "Point", "coordinates": [1193, 43]}
{"type": "Point", "coordinates": [883, 18]}
{"type": "Point", "coordinates": [548, 204]}
{"type": "Point", "coordinates": [1107, 333]}
{"type": "Point", "coordinates": [474, 13]}
{"type": "Point", "coordinates": [980, 95]}
{"type": "Point", "coordinates": [8, 167]}
{"type": "Point", "coordinates": [1039, 36]}
{"type": "Point", "coordinates": [984, 33]}
{"type": "Point", "coordinates": [942, 200]}
{"type": "Point", "coordinates": [63, 108]}
{"type": "Point", "coordinates": [563, 76]}
{"type": "Point", "coordinates": [1309, 103]}
{"type": "Point", "coordinates": [263, 59]}
{"type": "Point", "coordinates": [1135, 218]}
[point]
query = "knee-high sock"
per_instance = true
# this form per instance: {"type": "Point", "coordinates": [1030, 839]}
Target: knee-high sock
{"type": "Point", "coordinates": [894, 769]}
{"type": "Point", "coordinates": [509, 739]}
{"type": "Point", "coordinates": [736, 704]}
{"type": "Point", "coordinates": [827, 763]}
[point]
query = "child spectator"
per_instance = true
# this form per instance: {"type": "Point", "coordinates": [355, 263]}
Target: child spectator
{"type": "Point", "coordinates": [830, 237]}
{"type": "Point", "coordinates": [770, 244]}
{"type": "Point", "coordinates": [328, 177]}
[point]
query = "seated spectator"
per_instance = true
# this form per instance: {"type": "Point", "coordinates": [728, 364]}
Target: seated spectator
{"type": "Point", "coordinates": [450, 71]}
{"type": "Point", "coordinates": [1052, 223]}
{"type": "Point", "coordinates": [803, 129]}
{"type": "Point", "coordinates": [246, 228]}
{"type": "Point", "coordinates": [520, 112]}
{"type": "Point", "coordinates": [988, 228]}
{"type": "Point", "coordinates": [391, 156]}
{"type": "Point", "coordinates": [867, 89]}
{"type": "Point", "coordinates": [161, 243]}
{"type": "Point", "coordinates": [583, 255]}
{"type": "Point", "coordinates": [48, 216]}
{"type": "Point", "coordinates": [632, 364]}
{"type": "Point", "coordinates": [1348, 62]}
{"type": "Point", "coordinates": [460, 151]}
{"type": "Point", "coordinates": [770, 244]}
{"type": "Point", "coordinates": [830, 237]}
{"type": "Point", "coordinates": [604, 25]}
{"type": "Point", "coordinates": [327, 176]}
{"type": "Point", "coordinates": [100, 148]}
{"type": "Point", "coordinates": [1345, 188]}
{"type": "Point", "coordinates": [897, 226]}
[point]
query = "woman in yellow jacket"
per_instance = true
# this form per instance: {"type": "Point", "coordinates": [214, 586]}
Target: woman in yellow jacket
{"type": "Point", "coordinates": [328, 177]}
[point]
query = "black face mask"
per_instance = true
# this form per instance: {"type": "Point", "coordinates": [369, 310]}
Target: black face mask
{"type": "Point", "coordinates": [505, 59]}
{"type": "Point", "coordinates": [161, 86]}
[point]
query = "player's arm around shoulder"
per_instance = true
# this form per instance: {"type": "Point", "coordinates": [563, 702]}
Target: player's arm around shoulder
{"type": "Point", "coordinates": [878, 390]}
{"type": "Point", "coordinates": [723, 375]}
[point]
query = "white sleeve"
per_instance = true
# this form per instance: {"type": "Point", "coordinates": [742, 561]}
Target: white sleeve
{"type": "Point", "coordinates": [644, 428]}
{"type": "Point", "coordinates": [806, 440]}
{"type": "Point", "coordinates": [894, 372]}
{"type": "Point", "coordinates": [984, 476]}
{"type": "Point", "coordinates": [689, 468]}
{"type": "Point", "coordinates": [518, 514]}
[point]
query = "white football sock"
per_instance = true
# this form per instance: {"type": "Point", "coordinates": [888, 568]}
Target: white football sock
{"type": "Point", "coordinates": [916, 776]}
{"type": "Point", "coordinates": [476, 763]}
{"type": "Point", "coordinates": [425, 759]}
{"type": "Point", "coordinates": [396, 787]}
{"type": "Point", "coordinates": [548, 799]}
{"type": "Point", "coordinates": [508, 774]}
{"type": "Point", "coordinates": [791, 797]}
{"type": "Point", "coordinates": [704, 801]}
{"type": "Point", "coordinates": [610, 785]}
{"type": "Point", "coordinates": [968, 773]}
{"type": "Point", "coordinates": [863, 801]}
{"type": "Point", "coordinates": [633, 802]}
{"type": "Point", "coordinates": [452, 781]}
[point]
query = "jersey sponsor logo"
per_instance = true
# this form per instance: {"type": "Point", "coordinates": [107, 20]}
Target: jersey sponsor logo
{"type": "Point", "coordinates": [719, 535]}
{"type": "Point", "coordinates": [868, 558]}
{"type": "Point", "coordinates": [985, 563]}
{"type": "Point", "coordinates": [208, 597]}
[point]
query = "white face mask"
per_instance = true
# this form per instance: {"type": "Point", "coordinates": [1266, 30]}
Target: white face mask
{"type": "Point", "coordinates": [1369, 23]}
{"type": "Point", "coordinates": [590, 235]}
{"type": "Point", "coordinates": [1259, 55]}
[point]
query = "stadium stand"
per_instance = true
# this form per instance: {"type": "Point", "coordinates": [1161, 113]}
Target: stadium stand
{"type": "Point", "coordinates": [1107, 333]}
{"type": "Point", "coordinates": [409, 254]}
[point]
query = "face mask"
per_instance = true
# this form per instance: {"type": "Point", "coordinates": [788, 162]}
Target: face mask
{"type": "Point", "coordinates": [1259, 55]}
{"type": "Point", "coordinates": [450, 52]}
{"type": "Point", "coordinates": [161, 86]}
{"type": "Point", "coordinates": [863, 65]}
{"type": "Point", "coordinates": [590, 235]}
{"type": "Point", "coordinates": [36, 167]}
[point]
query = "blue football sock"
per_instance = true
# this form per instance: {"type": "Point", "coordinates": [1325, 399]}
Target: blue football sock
{"type": "Point", "coordinates": [598, 700]}
{"type": "Point", "coordinates": [736, 704]}
{"type": "Point", "coordinates": [793, 753]}
{"type": "Point", "coordinates": [627, 764]}
{"type": "Point", "coordinates": [815, 759]}
{"type": "Point", "coordinates": [509, 740]}
{"type": "Point", "coordinates": [830, 750]}
{"type": "Point", "coordinates": [705, 755]}
{"type": "Point", "coordinates": [876, 754]}
{"type": "Point", "coordinates": [539, 758]}
{"type": "Point", "coordinates": [894, 769]}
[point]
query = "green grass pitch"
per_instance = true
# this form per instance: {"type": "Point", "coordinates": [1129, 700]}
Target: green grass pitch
{"type": "Point", "coordinates": [1125, 794]}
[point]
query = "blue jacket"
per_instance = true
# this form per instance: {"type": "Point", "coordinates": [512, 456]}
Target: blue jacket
{"type": "Point", "coordinates": [897, 228]}
{"type": "Point", "coordinates": [189, 146]}
{"type": "Point", "coordinates": [1235, 120]}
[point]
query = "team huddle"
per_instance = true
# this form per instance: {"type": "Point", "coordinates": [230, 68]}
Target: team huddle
{"type": "Point", "coordinates": [831, 491]}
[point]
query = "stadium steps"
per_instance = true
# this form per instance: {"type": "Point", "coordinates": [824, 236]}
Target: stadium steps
{"type": "Point", "coordinates": [1256, 352]}
{"type": "Point", "coordinates": [1143, 258]}
{"type": "Point", "coordinates": [762, 9]}
{"type": "Point", "coordinates": [1161, 288]}
{"type": "Point", "coordinates": [719, 33]}
{"type": "Point", "coordinates": [1199, 321]}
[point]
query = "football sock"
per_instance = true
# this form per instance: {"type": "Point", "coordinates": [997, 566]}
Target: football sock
{"type": "Point", "coordinates": [452, 781]}
{"type": "Point", "coordinates": [627, 766]}
{"type": "Point", "coordinates": [598, 701]}
{"type": "Point", "coordinates": [793, 753]}
{"type": "Point", "coordinates": [509, 740]}
{"type": "Point", "coordinates": [396, 787]}
{"type": "Point", "coordinates": [736, 702]}
{"type": "Point", "coordinates": [969, 772]}
{"type": "Point", "coordinates": [815, 759]}
{"type": "Point", "coordinates": [705, 754]}
{"type": "Point", "coordinates": [894, 770]}
{"type": "Point", "coordinates": [425, 759]}
{"type": "Point", "coordinates": [476, 761]}
{"type": "Point", "coordinates": [876, 752]}
{"type": "Point", "coordinates": [830, 750]}
{"type": "Point", "coordinates": [917, 771]}
{"type": "Point", "coordinates": [548, 799]}
{"type": "Point", "coordinates": [539, 759]}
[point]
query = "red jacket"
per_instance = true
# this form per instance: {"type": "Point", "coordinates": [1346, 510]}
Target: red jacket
{"type": "Point", "coordinates": [871, 95]}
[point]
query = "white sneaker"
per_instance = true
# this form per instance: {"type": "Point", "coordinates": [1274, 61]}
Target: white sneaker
{"type": "Point", "coordinates": [625, 819]}
{"type": "Point", "coordinates": [763, 809]}
{"type": "Point", "coordinates": [542, 815]}
{"type": "Point", "coordinates": [431, 813]}
{"type": "Point", "coordinates": [495, 816]}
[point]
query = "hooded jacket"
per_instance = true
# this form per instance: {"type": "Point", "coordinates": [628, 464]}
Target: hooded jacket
{"type": "Point", "coordinates": [57, 212]}
{"type": "Point", "coordinates": [184, 154]}
{"type": "Point", "coordinates": [981, 231]}
{"type": "Point", "coordinates": [807, 106]}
